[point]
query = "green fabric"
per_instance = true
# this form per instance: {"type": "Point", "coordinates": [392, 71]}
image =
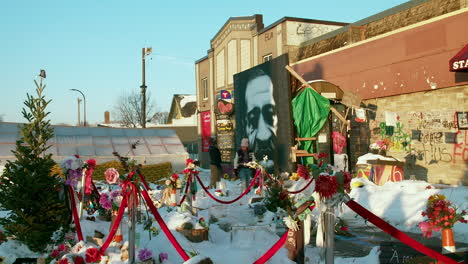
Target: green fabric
{"type": "Point", "coordinates": [310, 111]}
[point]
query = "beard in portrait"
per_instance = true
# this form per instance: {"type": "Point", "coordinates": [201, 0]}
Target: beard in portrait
{"type": "Point", "coordinates": [261, 119]}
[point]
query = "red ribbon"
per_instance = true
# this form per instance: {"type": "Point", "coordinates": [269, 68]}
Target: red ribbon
{"type": "Point", "coordinates": [301, 190]}
{"type": "Point", "coordinates": [76, 219]}
{"type": "Point", "coordinates": [273, 250]}
{"type": "Point", "coordinates": [389, 229]}
{"type": "Point", "coordinates": [164, 227]}
{"type": "Point", "coordinates": [143, 180]}
{"type": "Point", "coordinates": [115, 225]}
{"type": "Point", "coordinates": [252, 182]}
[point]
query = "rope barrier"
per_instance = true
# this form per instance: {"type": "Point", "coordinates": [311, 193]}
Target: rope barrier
{"type": "Point", "coordinates": [164, 227]}
{"type": "Point", "coordinates": [187, 185]}
{"type": "Point", "coordinates": [115, 225]}
{"type": "Point", "coordinates": [252, 182]}
{"type": "Point", "coordinates": [76, 219]}
{"type": "Point", "coordinates": [303, 189]}
{"type": "Point", "coordinates": [389, 229]}
{"type": "Point", "coordinates": [273, 250]}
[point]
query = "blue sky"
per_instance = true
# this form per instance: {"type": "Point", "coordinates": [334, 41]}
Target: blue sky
{"type": "Point", "coordinates": [95, 46]}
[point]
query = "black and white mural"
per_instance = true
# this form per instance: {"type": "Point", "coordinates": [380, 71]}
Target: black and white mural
{"type": "Point", "coordinates": [263, 111]}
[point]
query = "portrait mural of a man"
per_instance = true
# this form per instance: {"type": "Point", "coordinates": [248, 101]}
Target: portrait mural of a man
{"type": "Point", "coordinates": [263, 115]}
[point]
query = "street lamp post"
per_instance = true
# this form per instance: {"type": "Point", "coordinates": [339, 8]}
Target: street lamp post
{"type": "Point", "coordinates": [144, 52]}
{"type": "Point", "coordinates": [84, 103]}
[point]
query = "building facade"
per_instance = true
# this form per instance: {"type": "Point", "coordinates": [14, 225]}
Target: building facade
{"type": "Point", "coordinates": [241, 43]}
{"type": "Point", "coordinates": [398, 62]}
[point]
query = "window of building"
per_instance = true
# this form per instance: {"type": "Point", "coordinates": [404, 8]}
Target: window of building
{"type": "Point", "coordinates": [267, 57]}
{"type": "Point", "coordinates": [204, 86]}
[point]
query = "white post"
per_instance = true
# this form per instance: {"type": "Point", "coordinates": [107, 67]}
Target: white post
{"type": "Point", "coordinates": [329, 232]}
{"type": "Point", "coordinates": [131, 228]}
{"type": "Point", "coordinates": [80, 212]}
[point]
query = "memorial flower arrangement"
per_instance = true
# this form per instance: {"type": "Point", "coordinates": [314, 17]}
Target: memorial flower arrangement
{"type": "Point", "coordinates": [380, 145]}
{"type": "Point", "coordinates": [174, 182]}
{"type": "Point", "coordinates": [441, 214]}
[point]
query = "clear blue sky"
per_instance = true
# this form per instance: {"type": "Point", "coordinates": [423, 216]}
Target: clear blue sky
{"type": "Point", "coordinates": [95, 46]}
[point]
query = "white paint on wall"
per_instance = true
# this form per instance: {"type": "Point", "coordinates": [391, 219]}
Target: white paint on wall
{"type": "Point", "coordinates": [299, 32]}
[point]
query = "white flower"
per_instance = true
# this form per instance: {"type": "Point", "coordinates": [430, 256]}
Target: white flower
{"type": "Point", "coordinates": [290, 223]}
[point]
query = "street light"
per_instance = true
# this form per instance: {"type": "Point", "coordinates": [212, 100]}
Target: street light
{"type": "Point", "coordinates": [144, 52]}
{"type": "Point", "coordinates": [84, 103]}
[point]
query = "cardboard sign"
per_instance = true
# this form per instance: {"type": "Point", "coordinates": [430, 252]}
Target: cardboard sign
{"type": "Point", "coordinates": [398, 252]}
{"type": "Point", "coordinates": [226, 140]}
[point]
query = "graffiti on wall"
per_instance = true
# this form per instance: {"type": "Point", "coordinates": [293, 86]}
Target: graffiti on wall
{"type": "Point", "coordinates": [433, 135]}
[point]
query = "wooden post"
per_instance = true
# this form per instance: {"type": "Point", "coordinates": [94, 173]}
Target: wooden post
{"type": "Point", "coordinates": [131, 228]}
{"type": "Point", "coordinates": [329, 233]}
{"type": "Point", "coordinates": [80, 211]}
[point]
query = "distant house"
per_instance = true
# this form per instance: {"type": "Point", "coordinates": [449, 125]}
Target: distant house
{"type": "Point", "coordinates": [183, 110]}
{"type": "Point", "coordinates": [182, 118]}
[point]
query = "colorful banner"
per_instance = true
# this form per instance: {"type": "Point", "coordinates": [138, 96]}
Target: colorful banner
{"type": "Point", "coordinates": [205, 130]}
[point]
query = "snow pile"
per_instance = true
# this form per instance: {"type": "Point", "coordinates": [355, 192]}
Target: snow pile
{"type": "Point", "coordinates": [237, 235]}
{"type": "Point", "coordinates": [187, 99]}
{"type": "Point", "coordinates": [362, 160]}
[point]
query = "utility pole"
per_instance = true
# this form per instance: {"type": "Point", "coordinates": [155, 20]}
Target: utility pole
{"type": "Point", "coordinates": [144, 52]}
{"type": "Point", "coordinates": [79, 121]}
{"type": "Point", "coordinates": [84, 104]}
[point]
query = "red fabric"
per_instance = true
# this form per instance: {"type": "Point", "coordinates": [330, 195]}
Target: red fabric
{"type": "Point", "coordinates": [272, 251]}
{"type": "Point", "coordinates": [301, 190]}
{"type": "Point", "coordinates": [252, 182]}
{"type": "Point", "coordinates": [76, 219]}
{"type": "Point", "coordinates": [164, 227]}
{"type": "Point", "coordinates": [389, 229]}
{"type": "Point", "coordinates": [115, 225]}
{"type": "Point", "coordinates": [339, 142]}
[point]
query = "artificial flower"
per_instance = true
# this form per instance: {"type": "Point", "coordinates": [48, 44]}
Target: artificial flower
{"type": "Point", "coordinates": [163, 257]}
{"type": "Point", "coordinates": [54, 253]}
{"type": "Point", "coordinates": [61, 247]}
{"type": "Point", "coordinates": [79, 260]}
{"type": "Point", "coordinates": [347, 181]}
{"type": "Point", "coordinates": [303, 172]}
{"type": "Point", "coordinates": [92, 255]}
{"type": "Point", "coordinates": [112, 175]}
{"type": "Point", "coordinates": [145, 254]}
{"type": "Point", "coordinates": [326, 185]}
{"type": "Point", "coordinates": [91, 163]}
{"type": "Point", "coordinates": [63, 261]}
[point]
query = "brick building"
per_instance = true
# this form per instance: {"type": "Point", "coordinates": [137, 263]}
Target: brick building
{"type": "Point", "coordinates": [241, 43]}
{"type": "Point", "coordinates": [398, 62]}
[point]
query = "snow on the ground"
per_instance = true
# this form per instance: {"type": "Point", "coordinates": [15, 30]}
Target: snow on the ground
{"type": "Point", "coordinates": [399, 203]}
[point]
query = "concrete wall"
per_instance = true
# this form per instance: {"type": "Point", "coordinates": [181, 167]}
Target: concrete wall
{"type": "Point", "coordinates": [427, 125]}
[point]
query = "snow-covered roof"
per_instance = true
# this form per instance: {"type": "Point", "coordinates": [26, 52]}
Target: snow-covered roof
{"type": "Point", "coordinates": [187, 99]}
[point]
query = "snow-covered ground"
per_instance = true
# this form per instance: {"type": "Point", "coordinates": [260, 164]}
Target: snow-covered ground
{"type": "Point", "coordinates": [399, 203]}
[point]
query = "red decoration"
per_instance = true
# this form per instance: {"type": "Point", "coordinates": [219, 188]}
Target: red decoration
{"type": "Point", "coordinates": [188, 161]}
{"type": "Point", "coordinates": [91, 163]}
{"type": "Point", "coordinates": [347, 181]}
{"type": "Point", "coordinates": [78, 260]}
{"type": "Point", "coordinates": [61, 247]}
{"type": "Point", "coordinates": [303, 172]}
{"type": "Point", "coordinates": [92, 255]}
{"type": "Point", "coordinates": [54, 253]}
{"type": "Point", "coordinates": [326, 186]}
{"type": "Point", "coordinates": [63, 261]}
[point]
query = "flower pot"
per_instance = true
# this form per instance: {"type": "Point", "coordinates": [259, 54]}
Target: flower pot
{"type": "Point", "coordinates": [383, 152]}
{"type": "Point", "coordinates": [448, 243]}
{"type": "Point", "coordinates": [374, 151]}
{"type": "Point", "coordinates": [118, 237]}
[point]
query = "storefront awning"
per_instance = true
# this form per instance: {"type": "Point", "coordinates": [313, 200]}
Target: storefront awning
{"type": "Point", "coordinates": [459, 62]}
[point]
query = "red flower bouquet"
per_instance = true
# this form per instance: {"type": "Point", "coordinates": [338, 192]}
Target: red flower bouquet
{"type": "Point", "coordinates": [92, 255]}
{"type": "Point", "coordinates": [441, 213]}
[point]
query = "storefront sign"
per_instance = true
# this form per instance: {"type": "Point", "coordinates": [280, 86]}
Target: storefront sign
{"type": "Point", "coordinates": [206, 130]}
{"type": "Point", "coordinates": [226, 140]}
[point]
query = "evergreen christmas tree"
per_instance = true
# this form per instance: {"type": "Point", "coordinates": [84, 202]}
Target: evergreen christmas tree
{"type": "Point", "coordinates": [34, 197]}
{"type": "Point", "coordinates": [276, 196]}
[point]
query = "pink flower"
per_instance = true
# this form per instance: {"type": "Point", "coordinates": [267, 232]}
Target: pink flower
{"type": "Point", "coordinates": [112, 175]}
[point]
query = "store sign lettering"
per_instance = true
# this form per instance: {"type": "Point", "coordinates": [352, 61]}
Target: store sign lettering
{"type": "Point", "coordinates": [461, 64]}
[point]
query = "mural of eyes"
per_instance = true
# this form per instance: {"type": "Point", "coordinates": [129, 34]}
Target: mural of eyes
{"type": "Point", "coordinates": [253, 117]}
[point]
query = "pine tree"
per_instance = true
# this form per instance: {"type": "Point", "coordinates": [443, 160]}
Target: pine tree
{"type": "Point", "coordinates": [34, 197]}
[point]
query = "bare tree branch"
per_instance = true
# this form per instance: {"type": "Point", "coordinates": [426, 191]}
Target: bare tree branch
{"type": "Point", "coordinates": [128, 109]}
